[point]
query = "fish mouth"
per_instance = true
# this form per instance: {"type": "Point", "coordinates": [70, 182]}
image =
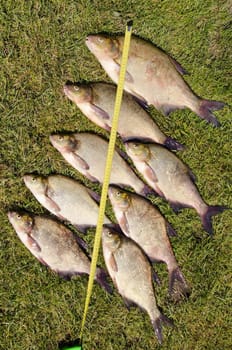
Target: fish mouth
{"type": "Point", "coordinates": [89, 41]}
{"type": "Point", "coordinates": [52, 140]}
{"type": "Point", "coordinates": [26, 178]}
{"type": "Point", "coordinates": [66, 90]}
{"type": "Point", "coordinates": [10, 214]}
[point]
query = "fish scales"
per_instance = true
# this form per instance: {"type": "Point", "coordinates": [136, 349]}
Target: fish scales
{"type": "Point", "coordinates": [152, 76]}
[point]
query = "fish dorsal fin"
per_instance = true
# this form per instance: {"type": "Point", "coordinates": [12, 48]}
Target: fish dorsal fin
{"type": "Point", "coordinates": [129, 303]}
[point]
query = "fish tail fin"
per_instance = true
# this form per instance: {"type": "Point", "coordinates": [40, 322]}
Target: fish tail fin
{"type": "Point", "coordinates": [172, 144]}
{"type": "Point", "coordinates": [101, 278]}
{"type": "Point", "coordinates": [178, 287]}
{"type": "Point", "coordinates": [157, 325]}
{"type": "Point", "coordinates": [205, 110]}
{"type": "Point", "coordinates": [206, 218]}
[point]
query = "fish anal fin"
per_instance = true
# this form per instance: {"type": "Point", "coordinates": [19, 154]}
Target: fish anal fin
{"type": "Point", "coordinates": [167, 109]}
{"type": "Point", "coordinates": [128, 303]}
{"type": "Point", "coordinates": [99, 112]}
{"type": "Point", "coordinates": [178, 66]}
{"type": "Point", "coordinates": [176, 207]}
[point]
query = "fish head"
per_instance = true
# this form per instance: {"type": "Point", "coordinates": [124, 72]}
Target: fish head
{"type": "Point", "coordinates": [78, 93]}
{"type": "Point", "coordinates": [35, 183]}
{"type": "Point", "coordinates": [111, 239]}
{"type": "Point", "coordinates": [138, 151]}
{"type": "Point", "coordinates": [119, 198]}
{"type": "Point", "coordinates": [22, 223]}
{"type": "Point", "coordinates": [102, 46]}
{"type": "Point", "coordinates": [64, 142]}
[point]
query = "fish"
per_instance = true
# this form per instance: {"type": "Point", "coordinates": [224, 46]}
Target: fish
{"type": "Point", "coordinates": [172, 179]}
{"type": "Point", "coordinates": [141, 221]}
{"type": "Point", "coordinates": [66, 198]}
{"type": "Point", "coordinates": [87, 153]}
{"type": "Point", "coordinates": [96, 101]}
{"type": "Point", "coordinates": [54, 245]}
{"type": "Point", "coordinates": [152, 76]}
{"type": "Point", "coordinates": [131, 273]}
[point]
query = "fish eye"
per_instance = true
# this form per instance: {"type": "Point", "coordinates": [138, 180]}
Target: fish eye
{"type": "Point", "coordinates": [18, 216]}
{"type": "Point", "coordinates": [118, 193]}
{"type": "Point", "coordinates": [109, 234]}
{"type": "Point", "coordinates": [76, 88]}
{"type": "Point", "coordinates": [60, 138]}
{"type": "Point", "coordinates": [100, 40]}
{"type": "Point", "coordinates": [34, 179]}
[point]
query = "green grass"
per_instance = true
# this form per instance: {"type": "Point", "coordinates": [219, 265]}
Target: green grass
{"type": "Point", "coordinates": [42, 46]}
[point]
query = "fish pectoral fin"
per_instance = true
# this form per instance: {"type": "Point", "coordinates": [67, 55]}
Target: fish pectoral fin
{"type": "Point", "coordinates": [99, 112]}
{"type": "Point", "coordinates": [81, 163]}
{"type": "Point", "coordinates": [123, 223]}
{"type": "Point", "coordinates": [91, 177]}
{"type": "Point", "coordinates": [94, 195]}
{"type": "Point", "coordinates": [113, 263]}
{"type": "Point", "coordinates": [128, 76]}
{"type": "Point", "coordinates": [50, 202]}
{"type": "Point", "coordinates": [33, 244]}
{"type": "Point", "coordinates": [150, 173]}
{"type": "Point", "coordinates": [178, 66]}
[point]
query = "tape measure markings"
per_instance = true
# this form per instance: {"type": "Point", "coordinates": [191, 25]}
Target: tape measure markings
{"type": "Point", "coordinates": [108, 166]}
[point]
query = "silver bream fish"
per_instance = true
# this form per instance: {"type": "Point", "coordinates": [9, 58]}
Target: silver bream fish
{"type": "Point", "coordinates": [65, 198]}
{"type": "Point", "coordinates": [142, 222]}
{"type": "Point", "coordinates": [171, 179]}
{"type": "Point", "coordinates": [96, 101]}
{"type": "Point", "coordinates": [54, 245]}
{"type": "Point", "coordinates": [87, 153]}
{"type": "Point", "coordinates": [152, 76]}
{"type": "Point", "coordinates": [131, 273]}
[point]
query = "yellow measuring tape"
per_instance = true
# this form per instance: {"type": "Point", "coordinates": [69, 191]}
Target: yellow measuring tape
{"type": "Point", "coordinates": [109, 159]}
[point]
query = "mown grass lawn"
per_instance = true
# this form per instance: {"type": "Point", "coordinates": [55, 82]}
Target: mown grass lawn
{"type": "Point", "coordinates": [42, 47]}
